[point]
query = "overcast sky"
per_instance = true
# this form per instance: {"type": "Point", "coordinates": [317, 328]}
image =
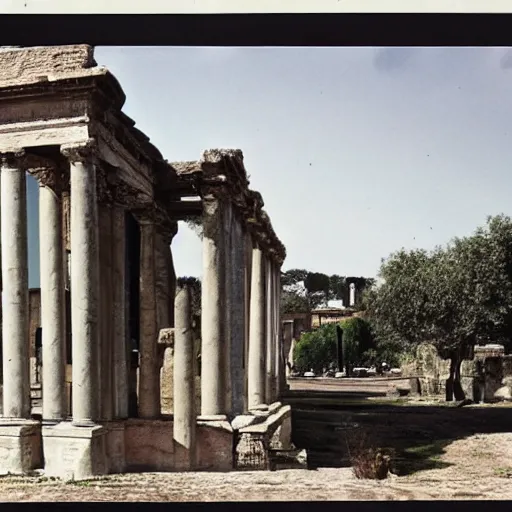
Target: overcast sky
{"type": "Point", "coordinates": [356, 151]}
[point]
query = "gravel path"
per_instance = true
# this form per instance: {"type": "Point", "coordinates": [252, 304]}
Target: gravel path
{"type": "Point", "coordinates": [478, 467]}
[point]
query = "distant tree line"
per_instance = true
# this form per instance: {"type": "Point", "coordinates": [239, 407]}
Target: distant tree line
{"type": "Point", "coordinates": [304, 290]}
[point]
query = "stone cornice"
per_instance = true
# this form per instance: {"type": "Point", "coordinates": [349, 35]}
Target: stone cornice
{"type": "Point", "coordinates": [221, 175]}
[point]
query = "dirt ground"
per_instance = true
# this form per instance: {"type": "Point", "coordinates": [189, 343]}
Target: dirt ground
{"type": "Point", "coordinates": [437, 453]}
{"type": "Point", "coordinates": [478, 467]}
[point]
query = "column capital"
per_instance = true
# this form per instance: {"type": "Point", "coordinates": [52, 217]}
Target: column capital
{"type": "Point", "coordinates": [12, 159]}
{"type": "Point", "coordinates": [80, 152]}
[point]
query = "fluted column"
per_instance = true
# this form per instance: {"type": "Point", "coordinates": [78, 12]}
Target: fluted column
{"type": "Point", "coordinates": [212, 310]}
{"type": "Point", "coordinates": [256, 363]}
{"type": "Point", "coordinates": [16, 369]}
{"type": "Point", "coordinates": [149, 376]}
{"type": "Point", "coordinates": [52, 268]}
{"type": "Point", "coordinates": [84, 283]}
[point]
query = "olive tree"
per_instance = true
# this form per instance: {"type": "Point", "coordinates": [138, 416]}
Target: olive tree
{"type": "Point", "coordinates": [454, 296]}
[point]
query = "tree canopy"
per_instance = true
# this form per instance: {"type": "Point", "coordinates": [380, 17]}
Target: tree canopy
{"type": "Point", "coordinates": [304, 290]}
{"type": "Point", "coordinates": [454, 296]}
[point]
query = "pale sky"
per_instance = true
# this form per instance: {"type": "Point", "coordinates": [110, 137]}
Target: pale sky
{"type": "Point", "coordinates": [357, 152]}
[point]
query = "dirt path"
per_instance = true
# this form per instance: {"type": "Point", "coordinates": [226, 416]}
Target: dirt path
{"type": "Point", "coordinates": [473, 468]}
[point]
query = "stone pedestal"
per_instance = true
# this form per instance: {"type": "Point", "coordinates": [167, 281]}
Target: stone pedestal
{"type": "Point", "coordinates": [20, 446]}
{"type": "Point", "coordinates": [74, 453]}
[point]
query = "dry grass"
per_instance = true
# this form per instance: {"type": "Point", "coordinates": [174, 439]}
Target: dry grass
{"type": "Point", "coordinates": [368, 462]}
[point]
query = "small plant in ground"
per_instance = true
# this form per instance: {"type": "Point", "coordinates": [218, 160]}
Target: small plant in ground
{"type": "Point", "coordinates": [503, 472]}
{"type": "Point", "coordinates": [367, 461]}
{"type": "Point", "coordinates": [371, 464]}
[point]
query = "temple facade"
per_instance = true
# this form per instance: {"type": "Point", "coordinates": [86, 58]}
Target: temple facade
{"type": "Point", "coordinates": [110, 306]}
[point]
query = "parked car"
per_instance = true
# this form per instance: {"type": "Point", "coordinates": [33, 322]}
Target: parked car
{"type": "Point", "coordinates": [311, 373]}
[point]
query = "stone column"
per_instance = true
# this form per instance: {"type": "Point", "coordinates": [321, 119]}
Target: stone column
{"type": "Point", "coordinates": [184, 425]}
{"type": "Point", "coordinates": [237, 283]}
{"type": "Point", "coordinates": [106, 312]}
{"type": "Point", "coordinates": [227, 226]}
{"type": "Point", "coordinates": [212, 310]}
{"type": "Point", "coordinates": [84, 283]}
{"type": "Point", "coordinates": [256, 363]}
{"type": "Point", "coordinates": [149, 370]}
{"type": "Point", "coordinates": [352, 300]}
{"type": "Point", "coordinates": [281, 355]}
{"type": "Point", "coordinates": [53, 307]}
{"type": "Point", "coordinates": [16, 369]}
{"type": "Point", "coordinates": [247, 309]}
{"type": "Point", "coordinates": [120, 341]}
{"type": "Point", "coordinates": [269, 337]}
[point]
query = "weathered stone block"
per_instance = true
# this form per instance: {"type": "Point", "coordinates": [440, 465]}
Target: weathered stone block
{"type": "Point", "coordinates": [74, 453]}
{"type": "Point", "coordinates": [20, 446]}
{"type": "Point", "coordinates": [215, 445]}
{"type": "Point", "coordinates": [149, 445]}
{"type": "Point", "coordinates": [116, 447]}
{"type": "Point", "coordinates": [19, 64]}
{"type": "Point", "coordinates": [252, 452]}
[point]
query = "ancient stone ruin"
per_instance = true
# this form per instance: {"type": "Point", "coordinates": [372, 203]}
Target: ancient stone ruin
{"type": "Point", "coordinates": [110, 305]}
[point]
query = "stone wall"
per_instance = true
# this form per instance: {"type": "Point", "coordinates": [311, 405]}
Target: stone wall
{"type": "Point", "coordinates": [432, 372]}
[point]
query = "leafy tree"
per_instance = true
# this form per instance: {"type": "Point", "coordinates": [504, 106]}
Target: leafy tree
{"type": "Point", "coordinates": [316, 349]}
{"type": "Point", "coordinates": [304, 290]}
{"type": "Point", "coordinates": [337, 288]}
{"type": "Point", "coordinates": [455, 297]}
{"type": "Point", "coordinates": [358, 339]}
{"type": "Point", "coordinates": [294, 302]}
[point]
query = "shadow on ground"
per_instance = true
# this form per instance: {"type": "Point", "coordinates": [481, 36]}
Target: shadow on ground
{"type": "Point", "coordinates": [332, 425]}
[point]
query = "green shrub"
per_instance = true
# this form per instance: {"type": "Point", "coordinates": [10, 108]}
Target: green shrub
{"type": "Point", "coordinates": [316, 349]}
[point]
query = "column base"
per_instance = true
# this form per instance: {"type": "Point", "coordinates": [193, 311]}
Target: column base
{"type": "Point", "coordinates": [20, 446]}
{"type": "Point", "coordinates": [74, 453]}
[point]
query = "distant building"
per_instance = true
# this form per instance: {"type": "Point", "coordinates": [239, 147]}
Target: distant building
{"type": "Point", "coordinates": [324, 316]}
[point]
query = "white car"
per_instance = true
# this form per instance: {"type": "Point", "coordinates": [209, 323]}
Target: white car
{"type": "Point", "coordinates": [309, 374]}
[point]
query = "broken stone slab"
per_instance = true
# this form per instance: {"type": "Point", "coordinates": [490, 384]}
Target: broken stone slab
{"type": "Point", "coordinates": [260, 407]}
{"type": "Point", "coordinates": [259, 414]}
{"type": "Point", "coordinates": [219, 421]}
{"type": "Point", "coordinates": [270, 424]}
{"type": "Point", "coordinates": [245, 420]}
{"type": "Point", "coordinates": [272, 408]}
